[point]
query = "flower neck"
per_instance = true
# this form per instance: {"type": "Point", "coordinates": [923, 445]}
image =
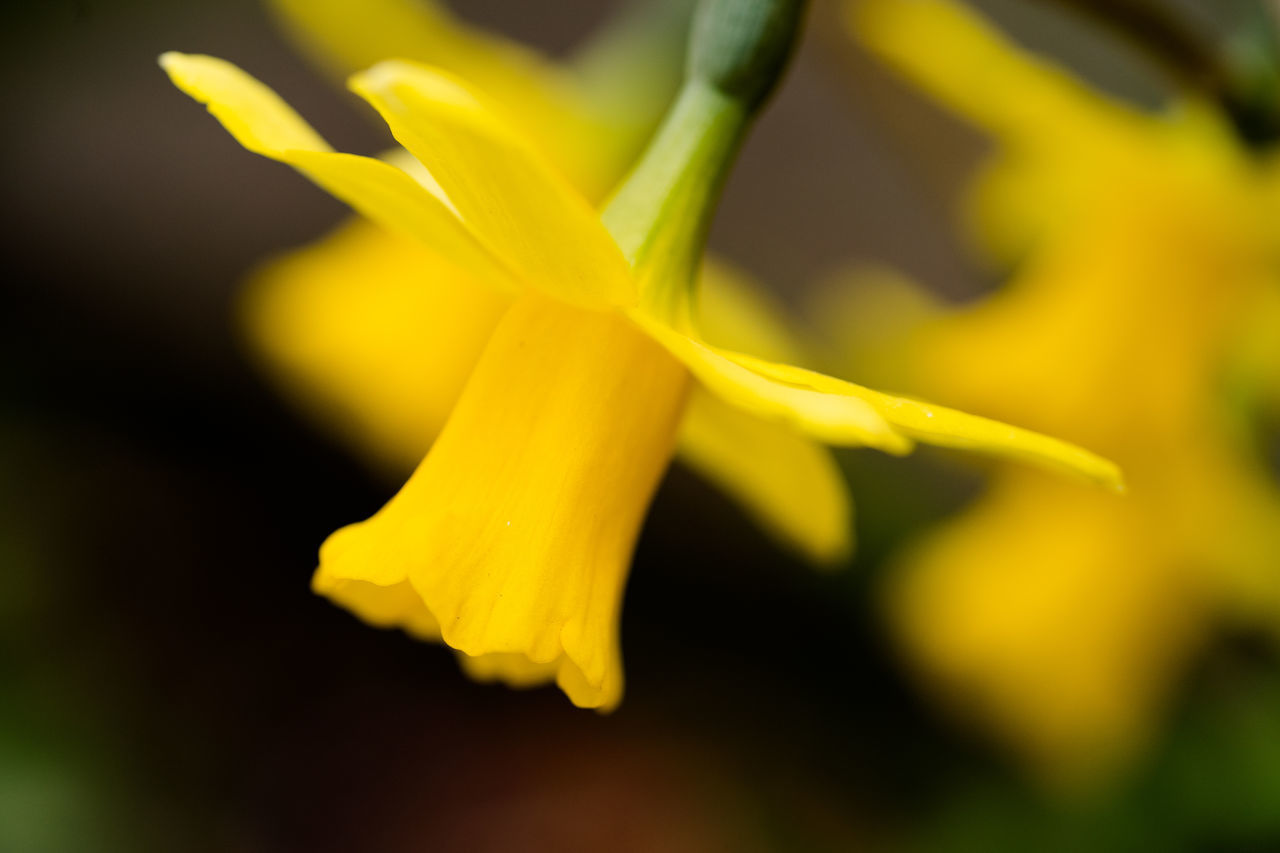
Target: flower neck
{"type": "Point", "coordinates": [661, 213]}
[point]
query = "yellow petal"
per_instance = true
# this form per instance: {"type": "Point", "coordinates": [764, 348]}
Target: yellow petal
{"type": "Point", "coordinates": [516, 531]}
{"type": "Point", "coordinates": [945, 427]}
{"type": "Point", "coordinates": [508, 195]}
{"type": "Point", "coordinates": [536, 95]}
{"type": "Point", "coordinates": [374, 334]}
{"type": "Point", "coordinates": [834, 418]}
{"type": "Point", "coordinates": [790, 485]}
{"type": "Point", "coordinates": [266, 125]}
{"type": "Point", "coordinates": [254, 114]}
{"type": "Point", "coordinates": [841, 413]}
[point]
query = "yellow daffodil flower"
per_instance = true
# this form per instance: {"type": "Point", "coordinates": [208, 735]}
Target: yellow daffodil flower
{"type": "Point", "coordinates": [1144, 245]}
{"type": "Point", "coordinates": [376, 333]}
{"type": "Point", "coordinates": [512, 540]}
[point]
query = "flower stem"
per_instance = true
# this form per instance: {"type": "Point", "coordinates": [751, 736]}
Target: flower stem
{"type": "Point", "coordinates": [662, 211]}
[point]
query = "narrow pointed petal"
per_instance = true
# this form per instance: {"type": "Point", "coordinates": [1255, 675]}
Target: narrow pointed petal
{"type": "Point", "coordinates": [838, 418]}
{"type": "Point", "coordinates": [510, 197]}
{"type": "Point", "coordinates": [516, 531]}
{"type": "Point", "coordinates": [790, 485]}
{"type": "Point", "coordinates": [266, 125]}
{"type": "Point", "coordinates": [944, 427]}
{"type": "Point", "coordinates": [841, 413]}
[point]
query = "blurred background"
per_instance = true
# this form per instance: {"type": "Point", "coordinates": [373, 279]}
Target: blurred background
{"type": "Point", "coordinates": [170, 683]}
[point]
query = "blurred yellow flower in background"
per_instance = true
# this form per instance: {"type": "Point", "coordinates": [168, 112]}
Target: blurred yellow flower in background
{"type": "Point", "coordinates": [512, 540]}
{"type": "Point", "coordinates": [1139, 320]}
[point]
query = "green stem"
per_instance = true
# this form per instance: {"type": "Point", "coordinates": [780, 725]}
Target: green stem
{"type": "Point", "coordinates": [661, 213]}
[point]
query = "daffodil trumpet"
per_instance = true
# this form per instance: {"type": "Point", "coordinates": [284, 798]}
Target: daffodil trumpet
{"type": "Point", "coordinates": [512, 540]}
